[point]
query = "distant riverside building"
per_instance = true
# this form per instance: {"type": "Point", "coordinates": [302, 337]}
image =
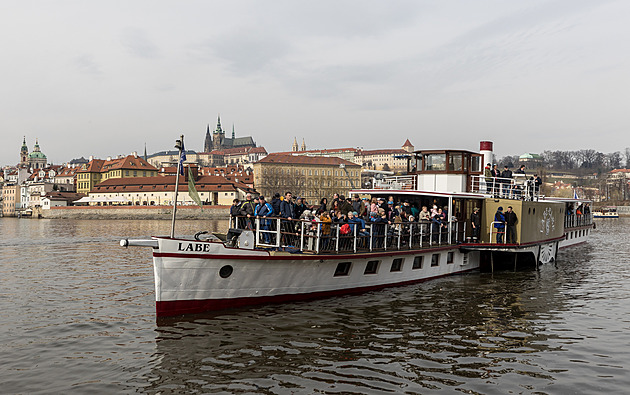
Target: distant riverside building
{"type": "Point", "coordinates": [10, 199]}
{"type": "Point", "coordinates": [379, 159]}
{"type": "Point", "coordinates": [160, 190]}
{"type": "Point", "coordinates": [99, 170]}
{"type": "Point", "coordinates": [310, 177]}
{"type": "Point", "coordinates": [530, 160]}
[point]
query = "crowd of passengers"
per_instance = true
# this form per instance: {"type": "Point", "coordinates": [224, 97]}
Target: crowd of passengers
{"type": "Point", "coordinates": [361, 216]}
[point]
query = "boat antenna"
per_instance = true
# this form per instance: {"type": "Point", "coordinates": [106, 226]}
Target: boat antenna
{"type": "Point", "coordinates": [179, 144]}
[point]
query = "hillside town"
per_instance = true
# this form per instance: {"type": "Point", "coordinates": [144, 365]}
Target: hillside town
{"type": "Point", "coordinates": [229, 168]}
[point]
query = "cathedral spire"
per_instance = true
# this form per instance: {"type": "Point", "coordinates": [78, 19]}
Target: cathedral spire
{"type": "Point", "coordinates": [303, 148]}
{"type": "Point", "coordinates": [219, 130]}
{"type": "Point", "coordinates": [295, 145]}
{"type": "Point", "coordinates": [145, 151]}
{"type": "Point", "coordinates": [233, 132]}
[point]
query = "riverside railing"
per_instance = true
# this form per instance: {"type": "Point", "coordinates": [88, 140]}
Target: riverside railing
{"type": "Point", "coordinates": [319, 237]}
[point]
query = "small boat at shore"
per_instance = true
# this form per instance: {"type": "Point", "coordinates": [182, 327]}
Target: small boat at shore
{"type": "Point", "coordinates": [271, 260]}
{"type": "Point", "coordinates": [606, 212]}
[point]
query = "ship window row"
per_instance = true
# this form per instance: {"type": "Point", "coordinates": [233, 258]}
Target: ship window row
{"type": "Point", "coordinates": [371, 267]}
{"type": "Point", "coordinates": [577, 233]}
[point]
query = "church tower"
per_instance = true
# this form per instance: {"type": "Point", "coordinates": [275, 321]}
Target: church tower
{"type": "Point", "coordinates": [303, 148]}
{"type": "Point", "coordinates": [207, 144]}
{"type": "Point", "coordinates": [295, 145]}
{"type": "Point", "coordinates": [24, 154]}
{"type": "Point", "coordinates": [218, 135]}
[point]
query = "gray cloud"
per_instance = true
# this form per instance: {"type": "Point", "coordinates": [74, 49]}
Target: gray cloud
{"type": "Point", "coordinates": [137, 43]}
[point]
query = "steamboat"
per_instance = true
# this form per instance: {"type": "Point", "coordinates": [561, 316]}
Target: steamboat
{"type": "Point", "coordinates": [272, 260]}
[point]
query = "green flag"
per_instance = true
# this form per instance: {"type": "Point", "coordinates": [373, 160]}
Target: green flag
{"type": "Point", "coordinates": [192, 191]}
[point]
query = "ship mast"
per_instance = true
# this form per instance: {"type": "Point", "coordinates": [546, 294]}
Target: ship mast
{"type": "Point", "coordinates": [179, 144]}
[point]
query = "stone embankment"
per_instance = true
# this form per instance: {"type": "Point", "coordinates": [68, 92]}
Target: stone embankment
{"type": "Point", "coordinates": [135, 212]}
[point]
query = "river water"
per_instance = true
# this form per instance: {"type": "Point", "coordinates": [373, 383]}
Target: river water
{"type": "Point", "coordinates": [77, 315]}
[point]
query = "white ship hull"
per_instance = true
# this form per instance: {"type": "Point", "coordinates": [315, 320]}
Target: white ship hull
{"type": "Point", "coordinates": [188, 274]}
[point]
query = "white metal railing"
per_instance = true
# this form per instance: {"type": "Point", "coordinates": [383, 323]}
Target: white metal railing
{"type": "Point", "coordinates": [396, 182]}
{"type": "Point", "coordinates": [318, 237]}
{"type": "Point", "coordinates": [518, 187]}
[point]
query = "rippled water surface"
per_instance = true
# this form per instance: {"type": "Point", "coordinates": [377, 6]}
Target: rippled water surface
{"type": "Point", "coordinates": [77, 315]}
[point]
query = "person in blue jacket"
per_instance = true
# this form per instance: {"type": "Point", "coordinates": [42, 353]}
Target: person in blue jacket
{"type": "Point", "coordinates": [499, 224]}
{"type": "Point", "coordinates": [264, 210]}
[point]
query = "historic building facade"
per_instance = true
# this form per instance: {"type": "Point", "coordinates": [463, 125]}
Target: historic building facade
{"type": "Point", "coordinates": [99, 170]}
{"type": "Point", "coordinates": [310, 177]}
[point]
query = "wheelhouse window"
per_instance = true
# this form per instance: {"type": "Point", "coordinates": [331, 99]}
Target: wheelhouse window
{"type": "Point", "coordinates": [476, 163]}
{"type": "Point", "coordinates": [455, 162]}
{"type": "Point", "coordinates": [435, 162]}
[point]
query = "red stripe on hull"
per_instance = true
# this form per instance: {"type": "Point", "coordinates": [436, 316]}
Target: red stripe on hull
{"type": "Point", "coordinates": [180, 307]}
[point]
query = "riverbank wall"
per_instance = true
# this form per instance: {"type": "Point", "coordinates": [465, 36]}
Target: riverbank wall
{"type": "Point", "coordinates": [133, 212]}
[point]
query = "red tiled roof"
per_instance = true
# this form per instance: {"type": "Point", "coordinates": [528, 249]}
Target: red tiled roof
{"type": "Point", "coordinates": [166, 183]}
{"type": "Point", "coordinates": [129, 162]}
{"type": "Point", "coordinates": [407, 143]}
{"type": "Point", "coordinates": [305, 160]}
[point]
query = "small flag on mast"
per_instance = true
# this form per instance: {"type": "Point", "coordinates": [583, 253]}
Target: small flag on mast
{"type": "Point", "coordinates": [182, 158]}
{"type": "Point", "coordinates": [192, 191]}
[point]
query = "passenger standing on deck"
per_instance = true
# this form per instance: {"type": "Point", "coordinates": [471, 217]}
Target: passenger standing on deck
{"type": "Point", "coordinates": [322, 206]}
{"type": "Point", "coordinates": [264, 210]}
{"type": "Point", "coordinates": [247, 211]}
{"type": "Point", "coordinates": [499, 224]}
{"type": "Point", "coordinates": [235, 211]}
{"type": "Point", "coordinates": [495, 182]}
{"type": "Point", "coordinates": [275, 204]}
{"type": "Point", "coordinates": [287, 211]}
{"type": "Point", "coordinates": [507, 181]}
{"type": "Point", "coordinates": [475, 221]}
{"type": "Point", "coordinates": [510, 221]}
{"type": "Point", "coordinates": [487, 175]}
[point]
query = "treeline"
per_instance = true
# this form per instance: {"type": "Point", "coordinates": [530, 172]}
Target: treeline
{"type": "Point", "coordinates": [584, 160]}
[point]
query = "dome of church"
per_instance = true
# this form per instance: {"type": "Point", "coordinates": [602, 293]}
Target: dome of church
{"type": "Point", "coordinates": [37, 155]}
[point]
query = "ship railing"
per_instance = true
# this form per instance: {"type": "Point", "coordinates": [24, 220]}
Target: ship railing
{"type": "Point", "coordinates": [396, 182]}
{"type": "Point", "coordinates": [519, 187]}
{"type": "Point", "coordinates": [577, 220]}
{"type": "Point", "coordinates": [324, 238]}
{"type": "Point", "coordinates": [495, 232]}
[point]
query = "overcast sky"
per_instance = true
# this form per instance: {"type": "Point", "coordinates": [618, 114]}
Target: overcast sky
{"type": "Point", "coordinates": [103, 78]}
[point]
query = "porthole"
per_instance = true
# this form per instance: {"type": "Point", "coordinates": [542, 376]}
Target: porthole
{"type": "Point", "coordinates": [226, 271]}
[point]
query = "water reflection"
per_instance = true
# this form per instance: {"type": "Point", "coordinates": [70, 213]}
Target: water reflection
{"type": "Point", "coordinates": [464, 333]}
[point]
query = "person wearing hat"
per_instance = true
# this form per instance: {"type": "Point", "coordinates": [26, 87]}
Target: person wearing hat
{"type": "Point", "coordinates": [499, 224]}
{"type": "Point", "coordinates": [475, 222]}
{"type": "Point", "coordinates": [358, 205]}
{"type": "Point", "coordinates": [264, 210]}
